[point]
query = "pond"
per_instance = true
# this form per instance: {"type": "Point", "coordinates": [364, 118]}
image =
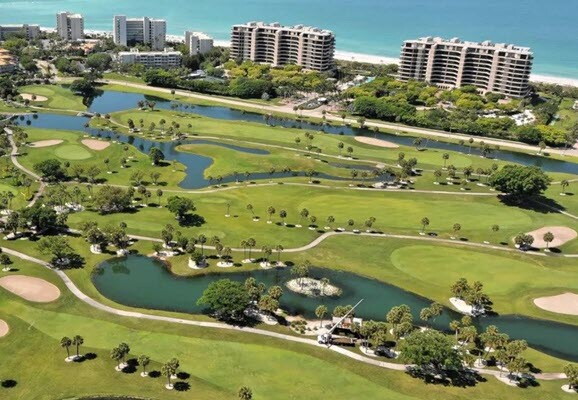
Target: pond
{"type": "Point", "coordinates": [195, 164]}
{"type": "Point", "coordinates": [144, 282]}
{"type": "Point", "coordinates": [111, 101]}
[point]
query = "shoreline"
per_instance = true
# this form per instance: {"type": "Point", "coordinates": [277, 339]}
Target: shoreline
{"type": "Point", "coordinates": [343, 55]}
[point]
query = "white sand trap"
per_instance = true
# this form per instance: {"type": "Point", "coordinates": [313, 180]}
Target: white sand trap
{"type": "Point", "coordinates": [30, 288]}
{"type": "Point", "coordinates": [45, 143]}
{"type": "Point", "coordinates": [566, 303]}
{"type": "Point", "coordinates": [97, 145]}
{"type": "Point", "coordinates": [28, 96]}
{"type": "Point", "coordinates": [376, 142]}
{"type": "Point", "coordinates": [4, 329]}
{"type": "Point", "coordinates": [562, 234]}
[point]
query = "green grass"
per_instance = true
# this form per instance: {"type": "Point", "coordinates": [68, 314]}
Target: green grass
{"type": "Point", "coordinates": [59, 97]}
{"type": "Point", "coordinates": [72, 152]}
{"type": "Point", "coordinates": [274, 369]}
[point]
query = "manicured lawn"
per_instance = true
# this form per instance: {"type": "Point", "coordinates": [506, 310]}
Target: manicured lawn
{"type": "Point", "coordinates": [73, 151]}
{"type": "Point", "coordinates": [59, 97]}
{"type": "Point", "coordinates": [219, 362]}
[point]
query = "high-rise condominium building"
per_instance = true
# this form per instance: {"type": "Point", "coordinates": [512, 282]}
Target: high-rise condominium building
{"type": "Point", "coordinates": [151, 59]}
{"type": "Point", "coordinates": [69, 26]}
{"type": "Point", "coordinates": [491, 67]}
{"type": "Point", "coordinates": [131, 31]}
{"type": "Point", "coordinates": [29, 31]}
{"type": "Point", "coordinates": [198, 42]}
{"type": "Point", "coordinates": [278, 45]}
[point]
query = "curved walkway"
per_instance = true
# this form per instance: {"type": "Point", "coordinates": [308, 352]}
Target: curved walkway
{"type": "Point", "coordinates": [14, 158]}
{"type": "Point", "coordinates": [218, 325]}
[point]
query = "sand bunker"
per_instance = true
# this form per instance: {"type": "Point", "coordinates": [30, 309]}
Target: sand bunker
{"type": "Point", "coordinates": [97, 145]}
{"type": "Point", "coordinates": [562, 234]}
{"type": "Point", "coordinates": [45, 143]}
{"type": "Point", "coordinates": [3, 328]}
{"type": "Point", "coordinates": [566, 303]}
{"type": "Point", "coordinates": [30, 288]}
{"type": "Point", "coordinates": [376, 142]}
{"type": "Point", "coordinates": [28, 96]}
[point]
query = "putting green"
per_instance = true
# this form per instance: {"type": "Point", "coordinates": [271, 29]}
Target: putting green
{"type": "Point", "coordinates": [443, 266]}
{"type": "Point", "coordinates": [72, 152]}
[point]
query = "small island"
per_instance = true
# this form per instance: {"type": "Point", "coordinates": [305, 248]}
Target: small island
{"type": "Point", "coordinates": [313, 287]}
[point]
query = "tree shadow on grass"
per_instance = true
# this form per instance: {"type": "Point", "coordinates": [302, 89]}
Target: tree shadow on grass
{"type": "Point", "coordinates": [182, 386]}
{"type": "Point", "coordinates": [154, 374]}
{"type": "Point", "coordinates": [194, 220]}
{"type": "Point", "coordinates": [541, 204]}
{"type": "Point", "coordinates": [9, 383]}
{"type": "Point", "coordinates": [183, 375]}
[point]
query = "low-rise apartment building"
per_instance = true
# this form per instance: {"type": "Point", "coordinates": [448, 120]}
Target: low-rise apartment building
{"type": "Point", "coordinates": [151, 59]}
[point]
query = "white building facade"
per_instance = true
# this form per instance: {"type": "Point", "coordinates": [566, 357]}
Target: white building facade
{"type": "Point", "coordinates": [198, 43]}
{"type": "Point", "coordinates": [491, 67]}
{"type": "Point", "coordinates": [131, 31]}
{"type": "Point", "coordinates": [69, 26]}
{"type": "Point", "coordinates": [151, 59]}
{"type": "Point", "coordinates": [310, 47]}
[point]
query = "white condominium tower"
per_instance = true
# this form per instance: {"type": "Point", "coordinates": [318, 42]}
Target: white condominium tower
{"type": "Point", "coordinates": [69, 26]}
{"type": "Point", "coordinates": [491, 67]}
{"type": "Point", "coordinates": [130, 31]}
{"type": "Point", "coordinates": [278, 45]}
{"type": "Point", "coordinates": [198, 42]}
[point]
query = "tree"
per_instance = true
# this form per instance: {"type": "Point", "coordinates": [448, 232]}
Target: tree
{"type": "Point", "coordinates": [301, 271]}
{"type": "Point", "coordinates": [117, 355]}
{"type": "Point", "coordinates": [77, 341]}
{"type": "Point", "coordinates": [320, 312]}
{"type": "Point", "coordinates": [156, 155]}
{"type": "Point", "coordinates": [51, 170]}
{"type": "Point", "coordinates": [66, 342]}
{"type": "Point", "coordinates": [445, 157]}
{"type": "Point", "coordinates": [283, 215]}
{"type": "Point", "coordinates": [83, 87]}
{"type": "Point", "coordinates": [519, 181]}
{"type": "Point", "coordinates": [548, 238]}
{"type": "Point", "coordinates": [564, 184]}
{"type": "Point", "coordinates": [168, 370]}
{"type": "Point", "coordinates": [59, 248]}
{"type": "Point", "coordinates": [571, 371]}
{"type": "Point", "coordinates": [270, 212]}
{"type": "Point", "coordinates": [226, 299]}
{"type": "Point", "coordinates": [180, 206]}
{"type": "Point", "coordinates": [245, 393]}
{"type": "Point", "coordinates": [456, 228]}
{"type": "Point", "coordinates": [111, 199]}
{"type": "Point", "coordinates": [430, 350]}
{"type": "Point", "coordinates": [144, 361]}
{"type": "Point", "coordinates": [424, 223]}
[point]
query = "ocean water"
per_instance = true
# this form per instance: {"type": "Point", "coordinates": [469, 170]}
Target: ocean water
{"type": "Point", "coordinates": [376, 27]}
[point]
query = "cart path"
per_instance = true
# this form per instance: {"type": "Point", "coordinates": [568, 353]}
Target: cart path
{"type": "Point", "coordinates": [218, 325]}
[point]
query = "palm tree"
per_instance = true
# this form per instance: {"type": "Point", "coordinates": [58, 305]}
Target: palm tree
{"type": "Point", "coordinates": [424, 223]}
{"type": "Point", "coordinates": [117, 355]}
{"type": "Point", "coordinates": [283, 215]}
{"type": "Point", "coordinates": [437, 175]}
{"type": "Point", "coordinates": [471, 142]}
{"type": "Point", "coordinates": [564, 185]}
{"type": "Point", "coordinates": [330, 220]}
{"type": "Point", "coordinates": [304, 214]}
{"type": "Point", "coordinates": [167, 370]}
{"type": "Point", "coordinates": [77, 341]}
{"type": "Point", "coordinates": [350, 223]}
{"type": "Point", "coordinates": [245, 393]}
{"type": "Point", "coordinates": [456, 228]}
{"type": "Point", "coordinates": [125, 350]}
{"type": "Point", "coordinates": [320, 312]}
{"type": "Point", "coordinates": [66, 342]}
{"type": "Point", "coordinates": [143, 362]}
{"type": "Point", "coordinates": [455, 326]}
{"type": "Point", "coordinates": [250, 208]}
{"type": "Point", "coordinates": [279, 249]}
{"type": "Point", "coordinates": [495, 228]}
{"type": "Point", "coordinates": [270, 212]}
{"type": "Point", "coordinates": [202, 239]}
{"type": "Point", "coordinates": [445, 157]}
{"type": "Point", "coordinates": [251, 243]}
{"type": "Point", "coordinates": [340, 146]}
{"type": "Point", "coordinates": [548, 238]}
{"type": "Point", "coordinates": [244, 246]}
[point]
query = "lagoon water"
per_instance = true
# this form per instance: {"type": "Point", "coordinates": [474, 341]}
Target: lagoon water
{"type": "Point", "coordinates": [375, 27]}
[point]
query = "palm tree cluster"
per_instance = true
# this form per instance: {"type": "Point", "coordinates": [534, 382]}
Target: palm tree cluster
{"type": "Point", "coordinates": [67, 342]}
{"type": "Point", "coordinates": [472, 294]}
